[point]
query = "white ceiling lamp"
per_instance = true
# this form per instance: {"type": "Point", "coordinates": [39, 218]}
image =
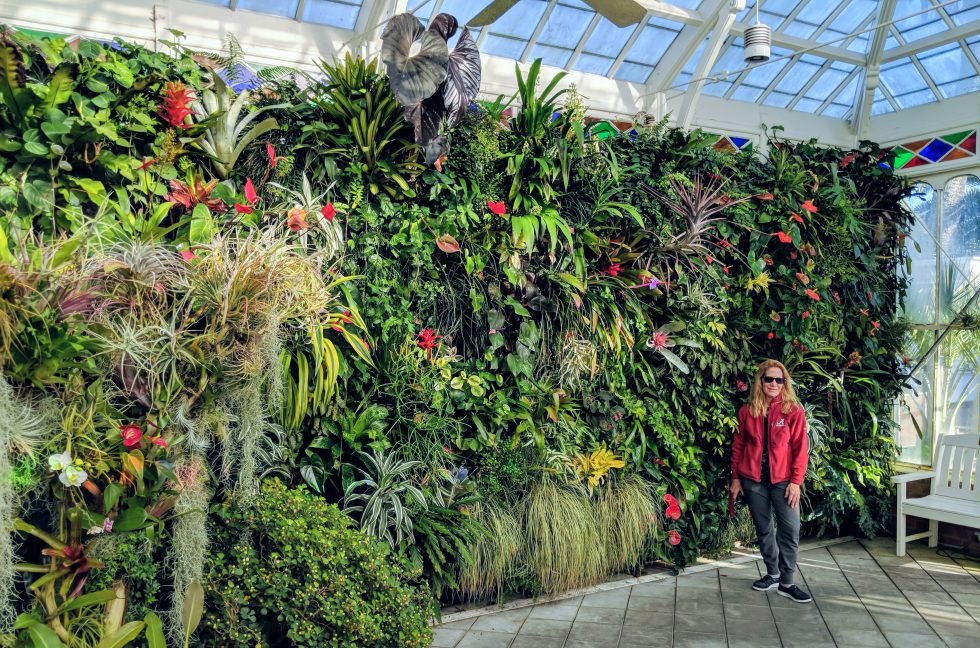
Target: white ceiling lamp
{"type": "Point", "coordinates": [757, 40]}
{"type": "Point", "coordinates": [621, 13]}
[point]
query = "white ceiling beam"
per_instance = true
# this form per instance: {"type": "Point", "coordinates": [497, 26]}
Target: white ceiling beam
{"type": "Point", "coordinates": [640, 26]}
{"type": "Point", "coordinates": [673, 12]}
{"type": "Point", "coordinates": [930, 42]}
{"type": "Point", "coordinates": [865, 95]}
{"type": "Point", "coordinates": [796, 44]}
{"type": "Point", "coordinates": [685, 44]}
{"type": "Point", "coordinates": [708, 57]}
{"type": "Point", "coordinates": [582, 41]}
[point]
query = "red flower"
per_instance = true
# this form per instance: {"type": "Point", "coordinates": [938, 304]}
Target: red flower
{"type": "Point", "coordinates": [674, 512]}
{"type": "Point", "coordinates": [271, 152]}
{"type": "Point", "coordinates": [876, 324]}
{"type": "Point", "coordinates": [147, 163]}
{"type": "Point", "coordinates": [250, 195]}
{"type": "Point", "coordinates": [132, 435]}
{"type": "Point", "coordinates": [175, 108]}
{"type": "Point", "coordinates": [809, 206]}
{"type": "Point", "coordinates": [771, 335]}
{"type": "Point", "coordinates": [741, 385]}
{"type": "Point", "coordinates": [674, 538]}
{"type": "Point", "coordinates": [846, 162]}
{"type": "Point", "coordinates": [797, 217]}
{"type": "Point", "coordinates": [793, 255]}
{"type": "Point", "coordinates": [726, 268]}
{"type": "Point", "coordinates": [805, 314]}
{"type": "Point", "coordinates": [187, 255]}
{"type": "Point", "coordinates": [670, 499]}
{"type": "Point", "coordinates": [714, 176]}
{"type": "Point", "coordinates": [296, 220]}
{"type": "Point", "coordinates": [613, 270]}
{"type": "Point", "coordinates": [783, 237]}
{"type": "Point", "coordinates": [243, 209]}
{"type": "Point", "coordinates": [765, 196]}
{"type": "Point", "coordinates": [329, 212]}
{"type": "Point", "coordinates": [158, 441]}
{"type": "Point", "coordinates": [710, 259]}
{"type": "Point", "coordinates": [724, 200]}
{"type": "Point", "coordinates": [498, 208]}
{"type": "Point", "coordinates": [428, 340]}
{"type": "Point", "coordinates": [724, 244]}
{"type": "Point", "coordinates": [864, 312]}
{"type": "Point", "coordinates": [812, 294]}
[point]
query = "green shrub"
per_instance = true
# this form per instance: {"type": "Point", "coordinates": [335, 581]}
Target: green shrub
{"type": "Point", "coordinates": [292, 572]}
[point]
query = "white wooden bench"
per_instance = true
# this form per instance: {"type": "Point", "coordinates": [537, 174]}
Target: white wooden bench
{"type": "Point", "coordinates": [954, 496]}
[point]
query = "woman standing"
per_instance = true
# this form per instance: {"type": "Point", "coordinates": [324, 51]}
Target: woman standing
{"type": "Point", "coordinates": [769, 457]}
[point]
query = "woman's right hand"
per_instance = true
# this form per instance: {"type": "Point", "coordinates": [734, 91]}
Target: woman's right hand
{"type": "Point", "coordinates": [736, 487]}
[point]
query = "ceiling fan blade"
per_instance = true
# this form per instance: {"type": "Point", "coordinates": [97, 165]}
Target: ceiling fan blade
{"type": "Point", "coordinates": [491, 12]}
{"type": "Point", "coordinates": [621, 13]}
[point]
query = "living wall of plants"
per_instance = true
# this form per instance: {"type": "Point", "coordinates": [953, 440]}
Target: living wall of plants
{"type": "Point", "coordinates": [269, 378]}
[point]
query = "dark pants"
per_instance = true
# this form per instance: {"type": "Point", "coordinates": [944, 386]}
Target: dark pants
{"type": "Point", "coordinates": [778, 548]}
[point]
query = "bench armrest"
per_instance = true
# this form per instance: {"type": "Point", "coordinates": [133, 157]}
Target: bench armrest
{"type": "Point", "coordinates": [904, 478]}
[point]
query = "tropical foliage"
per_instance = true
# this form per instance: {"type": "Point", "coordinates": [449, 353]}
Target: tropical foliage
{"type": "Point", "coordinates": [516, 370]}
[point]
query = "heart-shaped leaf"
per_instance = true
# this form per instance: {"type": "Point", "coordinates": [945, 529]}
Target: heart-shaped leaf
{"type": "Point", "coordinates": [447, 244]}
{"type": "Point", "coordinates": [416, 59]}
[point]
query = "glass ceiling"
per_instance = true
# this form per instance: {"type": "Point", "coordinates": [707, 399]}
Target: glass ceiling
{"type": "Point", "coordinates": [931, 50]}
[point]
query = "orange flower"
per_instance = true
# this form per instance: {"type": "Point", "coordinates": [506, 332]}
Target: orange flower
{"type": "Point", "coordinates": [296, 220]}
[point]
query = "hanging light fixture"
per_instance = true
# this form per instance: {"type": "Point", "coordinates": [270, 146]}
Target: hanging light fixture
{"type": "Point", "coordinates": [757, 40]}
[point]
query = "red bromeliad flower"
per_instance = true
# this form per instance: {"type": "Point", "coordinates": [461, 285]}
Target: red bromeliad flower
{"type": "Point", "coordinates": [809, 206]}
{"type": "Point", "coordinates": [674, 538]}
{"type": "Point", "coordinates": [797, 218]}
{"type": "Point", "coordinates": [497, 207]}
{"type": "Point", "coordinates": [724, 244]}
{"type": "Point", "coordinates": [271, 152]}
{"type": "Point", "coordinates": [659, 341]}
{"type": "Point", "coordinates": [329, 212]}
{"type": "Point", "coordinates": [132, 435]}
{"type": "Point", "coordinates": [765, 196]}
{"type": "Point", "coordinates": [176, 106]}
{"type": "Point", "coordinates": [783, 237]}
{"type": "Point", "coordinates": [613, 270]}
{"type": "Point", "coordinates": [296, 220]}
{"type": "Point", "coordinates": [812, 294]}
{"type": "Point", "coordinates": [428, 340]}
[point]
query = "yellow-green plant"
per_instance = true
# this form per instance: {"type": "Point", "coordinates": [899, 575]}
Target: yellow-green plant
{"type": "Point", "coordinates": [593, 467]}
{"type": "Point", "coordinates": [495, 554]}
{"type": "Point", "coordinates": [627, 515]}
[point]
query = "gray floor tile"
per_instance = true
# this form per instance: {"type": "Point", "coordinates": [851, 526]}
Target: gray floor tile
{"type": "Point", "coordinates": [754, 612]}
{"type": "Point", "coordinates": [529, 641]}
{"type": "Point", "coordinates": [546, 628]}
{"type": "Point", "coordinates": [699, 640]}
{"type": "Point", "coordinates": [650, 633]}
{"type": "Point", "coordinates": [751, 627]}
{"type": "Point", "coordinates": [849, 621]}
{"type": "Point", "coordinates": [648, 604]}
{"type": "Point", "coordinates": [753, 642]}
{"type": "Point", "coordinates": [862, 638]}
{"type": "Point", "coordinates": [705, 624]}
{"type": "Point", "coordinates": [465, 624]}
{"type": "Point", "coordinates": [604, 632]}
{"type": "Point", "coordinates": [657, 589]}
{"type": "Point", "coordinates": [957, 641]}
{"type": "Point", "coordinates": [647, 619]}
{"type": "Point", "coordinates": [600, 615]}
{"type": "Point", "coordinates": [443, 638]}
{"type": "Point", "coordinates": [704, 605]}
{"type": "Point", "coordinates": [480, 639]}
{"type": "Point", "coordinates": [508, 621]}
{"type": "Point", "coordinates": [616, 598]}
{"type": "Point", "coordinates": [905, 640]}
{"type": "Point", "coordinates": [895, 623]}
{"type": "Point", "coordinates": [555, 612]}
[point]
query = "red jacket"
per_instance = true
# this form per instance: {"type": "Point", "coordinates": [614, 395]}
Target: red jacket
{"type": "Point", "coordinates": [788, 444]}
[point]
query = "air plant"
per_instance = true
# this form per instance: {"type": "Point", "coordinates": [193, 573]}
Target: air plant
{"type": "Point", "coordinates": [698, 203]}
{"type": "Point", "coordinates": [661, 342]}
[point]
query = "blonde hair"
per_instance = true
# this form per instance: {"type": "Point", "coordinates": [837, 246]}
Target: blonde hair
{"type": "Point", "coordinates": [757, 398]}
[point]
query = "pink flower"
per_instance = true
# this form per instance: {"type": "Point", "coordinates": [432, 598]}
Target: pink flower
{"type": "Point", "coordinates": [271, 152]}
{"type": "Point", "coordinates": [659, 341]}
{"type": "Point", "coordinates": [250, 194]}
{"type": "Point", "coordinates": [652, 283]}
{"type": "Point", "coordinates": [329, 212]}
{"type": "Point", "coordinates": [805, 314]}
{"type": "Point", "coordinates": [497, 207]}
{"type": "Point", "coordinates": [132, 435]}
{"type": "Point", "coordinates": [187, 255]}
{"type": "Point", "coordinates": [158, 441]}
{"type": "Point", "coordinates": [674, 538]}
{"type": "Point", "coordinates": [613, 270]}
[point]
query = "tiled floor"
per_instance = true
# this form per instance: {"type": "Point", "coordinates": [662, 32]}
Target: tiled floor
{"type": "Point", "coordinates": [864, 597]}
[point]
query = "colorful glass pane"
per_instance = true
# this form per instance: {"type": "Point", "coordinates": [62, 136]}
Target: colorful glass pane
{"type": "Point", "coordinates": [970, 143]}
{"type": "Point", "coordinates": [902, 156]}
{"type": "Point", "coordinates": [955, 138]}
{"type": "Point", "coordinates": [914, 162]}
{"type": "Point", "coordinates": [739, 142]}
{"type": "Point", "coordinates": [957, 154]}
{"type": "Point", "coordinates": [725, 146]}
{"type": "Point", "coordinates": [916, 145]}
{"type": "Point", "coordinates": [935, 151]}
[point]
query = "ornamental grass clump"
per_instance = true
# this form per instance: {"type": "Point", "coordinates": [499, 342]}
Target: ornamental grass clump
{"type": "Point", "coordinates": [495, 554]}
{"type": "Point", "coordinates": [627, 516]}
{"type": "Point", "coordinates": [564, 547]}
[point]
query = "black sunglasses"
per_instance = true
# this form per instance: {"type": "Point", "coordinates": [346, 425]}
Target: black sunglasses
{"type": "Point", "coordinates": [773, 379]}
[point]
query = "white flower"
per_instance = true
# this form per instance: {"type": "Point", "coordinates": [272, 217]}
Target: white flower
{"type": "Point", "coordinates": [96, 530]}
{"type": "Point", "coordinates": [58, 462]}
{"type": "Point", "coordinates": [73, 476]}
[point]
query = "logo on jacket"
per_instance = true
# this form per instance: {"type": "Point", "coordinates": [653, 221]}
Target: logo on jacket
{"type": "Point", "coordinates": [781, 423]}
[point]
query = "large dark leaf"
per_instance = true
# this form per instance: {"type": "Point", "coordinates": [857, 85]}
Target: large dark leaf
{"type": "Point", "coordinates": [463, 78]}
{"type": "Point", "coordinates": [416, 59]}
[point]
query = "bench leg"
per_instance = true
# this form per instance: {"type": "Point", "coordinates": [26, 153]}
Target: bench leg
{"type": "Point", "coordinates": [900, 532]}
{"type": "Point", "coordinates": [933, 533]}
